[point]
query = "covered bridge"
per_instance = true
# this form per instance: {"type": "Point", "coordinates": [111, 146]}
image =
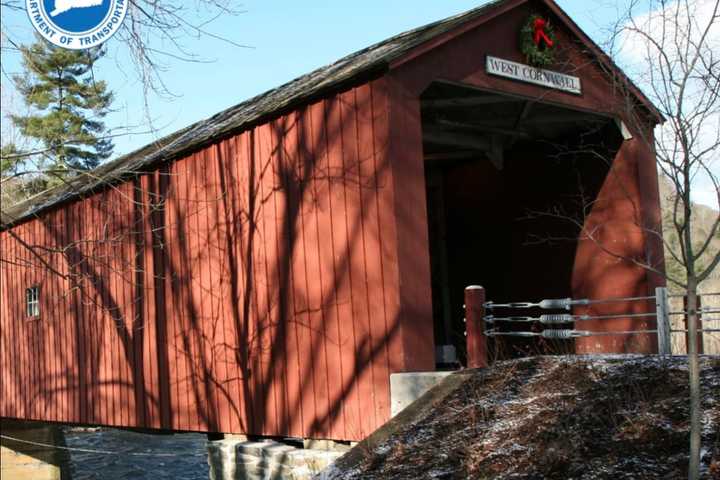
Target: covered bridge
{"type": "Point", "coordinates": [265, 270]}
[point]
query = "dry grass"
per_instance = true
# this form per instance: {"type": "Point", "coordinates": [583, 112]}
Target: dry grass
{"type": "Point", "coordinates": [558, 418]}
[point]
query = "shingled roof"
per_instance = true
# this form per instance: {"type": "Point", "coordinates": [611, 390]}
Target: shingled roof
{"type": "Point", "coordinates": [370, 62]}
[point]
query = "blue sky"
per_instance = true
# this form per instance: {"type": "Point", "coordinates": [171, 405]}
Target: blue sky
{"type": "Point", "coordinates": [288, 38]}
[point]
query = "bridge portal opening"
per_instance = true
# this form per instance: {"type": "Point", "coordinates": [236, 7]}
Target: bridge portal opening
{"type": "Point", "coordinates": [507, 181]}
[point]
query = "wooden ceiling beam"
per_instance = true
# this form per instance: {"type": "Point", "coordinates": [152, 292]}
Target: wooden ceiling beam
{"type": "Point", "coordinates": [490, 145]}
{"type": "Point", "coordinates": [480, 128]}
{"type": "Point", "coordinates": [465, 101]}
{"type": "Point", "coordinates": [437, 136]}
{"type": "Point", "coordinates": [460, 155]}
{"type": "Point", "coordinates": [564, 117]}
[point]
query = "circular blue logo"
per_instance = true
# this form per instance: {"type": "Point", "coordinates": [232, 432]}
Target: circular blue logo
{"type": "Point", "coordinates": [76, 24]}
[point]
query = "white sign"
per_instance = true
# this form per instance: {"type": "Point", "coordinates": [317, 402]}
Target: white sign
{"type": "Point", "coordinates": [538, 76]}
{"type": "Point", "coordinates": [77, 24]}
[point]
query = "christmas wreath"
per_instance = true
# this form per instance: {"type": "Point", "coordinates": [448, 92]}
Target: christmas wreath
{"type": "Point", "coordinates": [538, 42]}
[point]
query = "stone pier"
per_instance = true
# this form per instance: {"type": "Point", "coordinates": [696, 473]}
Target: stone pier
{"type": "Point", "coordinates": [236, 458]}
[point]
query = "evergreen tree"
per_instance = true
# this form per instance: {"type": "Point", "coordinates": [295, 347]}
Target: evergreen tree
{"type": "Point", "coordinates": [67, 105]}
{"type": "Point", "coordinates": [8, 159]}
{"type": "Point", "coordinates": [17, 182]}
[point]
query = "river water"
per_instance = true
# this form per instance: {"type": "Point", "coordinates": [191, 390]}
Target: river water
{"type": "Point", "coordinates": [129, 455]}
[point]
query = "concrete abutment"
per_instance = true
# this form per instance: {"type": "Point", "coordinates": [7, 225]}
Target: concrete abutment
{"type": "Point", "coordinates": [28, 451]}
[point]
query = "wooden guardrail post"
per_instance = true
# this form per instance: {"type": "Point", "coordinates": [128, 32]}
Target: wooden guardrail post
{"type": "Point", "coordinates": [475, 327]}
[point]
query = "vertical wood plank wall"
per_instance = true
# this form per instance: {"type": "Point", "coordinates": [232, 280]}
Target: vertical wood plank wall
{"type": "Point", "coordinates": [270, 282]}
{"type": "Point", "coordinates": [248, 287]}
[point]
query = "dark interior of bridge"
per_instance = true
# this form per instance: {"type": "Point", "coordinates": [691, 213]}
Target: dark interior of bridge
{"type": "Point", "coordinates": [506, 179]}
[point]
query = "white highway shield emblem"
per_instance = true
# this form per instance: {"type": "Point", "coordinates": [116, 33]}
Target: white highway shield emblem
{"type": "Point", "coordinates": [76, 24]}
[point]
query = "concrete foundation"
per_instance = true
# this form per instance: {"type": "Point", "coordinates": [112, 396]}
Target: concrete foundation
{"type": "Point", "coordinates": [33, 460]}
{"type": "Point", "coordinates": [328, 445]}
{"type": "Point", "coordinates": [233, 459]}
{"type": "Point", "coordinates": [407, 387]}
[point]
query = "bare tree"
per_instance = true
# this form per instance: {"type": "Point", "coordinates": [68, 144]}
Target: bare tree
{"type": "Point", "coordinates": [153, 33]}
{"type": "Point", "coordinates": [671, 50]}
{"type": "Point", "coordinates": [675, 47]}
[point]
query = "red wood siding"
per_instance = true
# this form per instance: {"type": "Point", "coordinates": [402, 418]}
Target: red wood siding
{"type": "Point", "coordinates": [628, 201]}
{"type": "Point", "coordinates": [269, 283]}
{"type": "Point", "coordinates": [249, 287]}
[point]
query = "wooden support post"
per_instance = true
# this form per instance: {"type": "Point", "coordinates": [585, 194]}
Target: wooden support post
{"type": "Point", "coordinates": [663, 321]}
{"type": "Point", "coordinates": [700, 348]}
{"type": "Point", "coordinates": [475, 327]}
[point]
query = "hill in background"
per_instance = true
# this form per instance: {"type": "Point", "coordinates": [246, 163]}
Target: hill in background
{"type": "Point", "coordinates": [703, 218]}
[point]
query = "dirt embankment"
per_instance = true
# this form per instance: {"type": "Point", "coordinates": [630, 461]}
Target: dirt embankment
{"type": "Point", "coordinates": [554, 418]}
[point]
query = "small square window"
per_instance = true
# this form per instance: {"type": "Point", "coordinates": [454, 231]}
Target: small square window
{"type": "Point", "coordinates": [32, 301]}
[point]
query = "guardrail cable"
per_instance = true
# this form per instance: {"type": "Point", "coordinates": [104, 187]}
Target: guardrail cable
{"type": "Point", "coordinates": [563, 303]}
{"type": "Point", "coordinates": [551, 319]}
{"type": "Point", "coordinates": [564, 334]}
{"type": "Point", "coordinates": [706, 330]}
{"type": "Point", "coordinates": [700, 311]}
{"type": "Point", "coordinates": [547, 304]}
{"type": "Point", "coordinates": [681, 295]}
{"type": "Point", "coordinates": [557, 319]}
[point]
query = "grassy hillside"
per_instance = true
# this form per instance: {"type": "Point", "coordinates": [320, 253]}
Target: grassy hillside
{"type": "Point", "coordinates": [582, 418]}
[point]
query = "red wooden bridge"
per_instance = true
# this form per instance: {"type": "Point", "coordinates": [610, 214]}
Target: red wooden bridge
{"type": "Point", "coordinates": [265, 270]}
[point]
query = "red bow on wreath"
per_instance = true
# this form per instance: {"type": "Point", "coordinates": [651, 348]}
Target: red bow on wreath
{"type": "Point", "coordinates": [539, 28]}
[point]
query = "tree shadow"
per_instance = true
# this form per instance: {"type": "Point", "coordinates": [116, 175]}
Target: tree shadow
{"type": "Point", "coordinates": [240, 289]}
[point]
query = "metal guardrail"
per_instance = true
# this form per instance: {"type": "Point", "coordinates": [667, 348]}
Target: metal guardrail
{"type": "Point", "coordinates": [476, 302]}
